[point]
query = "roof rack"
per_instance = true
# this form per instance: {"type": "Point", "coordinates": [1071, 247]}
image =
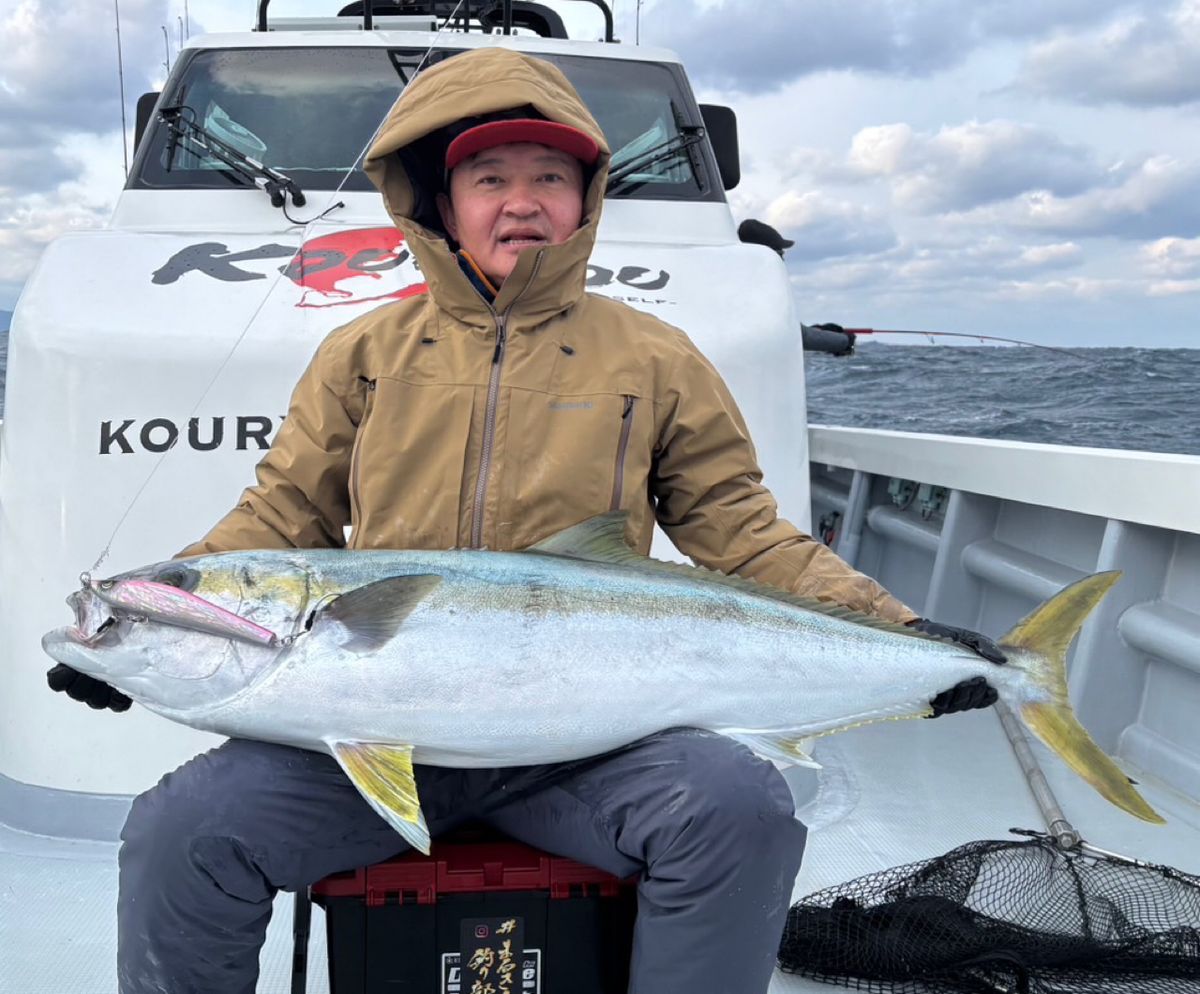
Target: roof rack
{"type": "Point", "coordinates": [487, 14]}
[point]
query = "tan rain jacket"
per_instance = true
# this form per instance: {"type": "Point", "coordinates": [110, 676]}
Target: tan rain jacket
{"type": "Point", "coordinates": [414, 428]}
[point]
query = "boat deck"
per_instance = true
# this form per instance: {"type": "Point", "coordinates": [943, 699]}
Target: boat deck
{"type": "Point", "coordinates": [889, 794]}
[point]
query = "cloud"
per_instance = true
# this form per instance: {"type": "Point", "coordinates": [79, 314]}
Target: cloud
{"type": "Point", "coordinates": [1032, 19]}
{"type": "Point", "coordinates": [31, 220]}
{"type": "Point", "coordinates": [947, 266]}
{"type": "Point", "coordinates": [1173, 257]}
{"type": "Point", "coordinates": [1173, 288]}
{"type": "Point", "coordinates": [1060, 255]}
{"type": "Point", "coordinates": [60, 63]}
{"type": "Point", "coordinates": [1156, 198]}
{"type": "Point", "coordinates": [1174, 265]}
{"type": "Point", "coordinates": [28, 167]}
{"type": "Point", "coordinates": [1146, 58]}
{"type": "Point", "coordinates": [970, 164]}
{"type": "Point", "coordinates": [60, 118]}
{"type": "Point", "coordinates": [59, 77]}
{"type": "Point", "coordinates": [1021, 176]}
{"type": "Point", "coordinates": [1080, 287]}
{"type": "Point", "coordinates": [824, 228]}
{"type": "Point", "coordinates": [751, 47]}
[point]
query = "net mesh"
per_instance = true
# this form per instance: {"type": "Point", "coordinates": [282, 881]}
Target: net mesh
{"type": "Point", "coordinates": [1017, 916]}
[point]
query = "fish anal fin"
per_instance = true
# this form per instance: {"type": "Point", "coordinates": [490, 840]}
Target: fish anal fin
{"type": "Point", "coordinates": [373, 613]}
{"type": "Point", "coordinates": [793, 749]}
{"type": "Point", "coordinates": [383, 774]}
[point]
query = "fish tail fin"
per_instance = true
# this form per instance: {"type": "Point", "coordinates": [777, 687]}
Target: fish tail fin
{"type": "Point", "coordinates": [1044, 636]}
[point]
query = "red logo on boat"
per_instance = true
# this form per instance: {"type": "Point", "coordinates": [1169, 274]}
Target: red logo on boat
{"type": "Point", "coordinates": [355, 267]}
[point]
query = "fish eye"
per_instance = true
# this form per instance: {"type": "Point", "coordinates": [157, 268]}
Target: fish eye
{"type": "Point", "coordinates": [179, 576]}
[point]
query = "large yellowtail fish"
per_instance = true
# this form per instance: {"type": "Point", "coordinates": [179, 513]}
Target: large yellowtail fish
{"type": "Point", "coordinates": [570, 649]}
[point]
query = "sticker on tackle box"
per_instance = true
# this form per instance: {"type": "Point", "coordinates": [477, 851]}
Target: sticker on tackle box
{"type": "Point", "coordinates": [530, 978]}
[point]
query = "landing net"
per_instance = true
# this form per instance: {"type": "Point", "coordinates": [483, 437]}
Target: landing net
{"type": "Point", "coordinates": [1020, 917]}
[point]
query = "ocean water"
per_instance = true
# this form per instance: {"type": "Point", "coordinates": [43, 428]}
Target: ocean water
{"type": "Point", "coordinates": [1123, 398]}
{"type": "Point", "coordinates": [1109, 398]}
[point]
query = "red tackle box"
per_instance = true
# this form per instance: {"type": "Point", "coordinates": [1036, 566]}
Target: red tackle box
{"type": "Point", "coordinates": [397, 926]}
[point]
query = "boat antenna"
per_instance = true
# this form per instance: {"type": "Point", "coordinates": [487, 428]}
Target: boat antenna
{"type": "Point", "coordinates": [166, 48]}
{"type": "Point", "coordinates": [960, 334]}
{"type": "Point", "coordinates": [637, 24]}
{"type": "Point", "coordinates": [121, 86]}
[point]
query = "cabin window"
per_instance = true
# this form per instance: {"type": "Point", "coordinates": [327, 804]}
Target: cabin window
{"type": "Point", "coordinates": [308, 112]}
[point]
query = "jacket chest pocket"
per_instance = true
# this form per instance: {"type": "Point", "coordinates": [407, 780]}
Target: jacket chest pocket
{"type": "Point", "coordinates": [407, 467]}
{"type": "Point", "coordinates": [628, 405]}
{"type": "Point", "coordinates": [580, 455]}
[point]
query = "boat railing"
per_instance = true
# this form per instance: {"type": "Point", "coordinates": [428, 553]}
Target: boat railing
{"type": "Point", "coordinates": [977, 532]}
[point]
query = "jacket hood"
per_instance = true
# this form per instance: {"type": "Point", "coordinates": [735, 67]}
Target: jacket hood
{"type": "Point", "coordinates": [406, 164]}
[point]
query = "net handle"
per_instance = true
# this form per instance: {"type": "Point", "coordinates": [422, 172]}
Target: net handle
{"type": "Point", "coordinates": [1061, 830]}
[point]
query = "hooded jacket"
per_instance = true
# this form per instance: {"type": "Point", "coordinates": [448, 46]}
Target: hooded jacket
{"type": "Point", "coordinates": [448, 421]}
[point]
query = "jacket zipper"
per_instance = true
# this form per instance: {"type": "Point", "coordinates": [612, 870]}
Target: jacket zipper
{"type": "Point", "coordinates": [355, 506]}
{"type": "Point", "coordinates": [622, 446]}
{"type": "Point", "coordinates": [489, 418]}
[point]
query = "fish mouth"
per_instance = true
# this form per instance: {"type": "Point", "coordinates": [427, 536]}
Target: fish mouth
{"type": "Point", "coordinates": [96, 625]}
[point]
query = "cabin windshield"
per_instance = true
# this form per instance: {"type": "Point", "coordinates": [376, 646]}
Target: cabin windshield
{"type": "Point", "coordinates": [309, 113]}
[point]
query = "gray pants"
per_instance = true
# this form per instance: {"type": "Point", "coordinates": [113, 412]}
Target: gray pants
{"type": "Point", "coordinates": [707, 825]}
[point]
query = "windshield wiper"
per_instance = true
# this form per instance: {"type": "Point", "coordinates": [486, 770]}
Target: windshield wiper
{"type": "Point", "coordinates": [185, 130]}
{"type": "Point", "coordinates": [688, 136]}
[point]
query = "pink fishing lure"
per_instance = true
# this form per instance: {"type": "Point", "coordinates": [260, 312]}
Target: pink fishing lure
{"type": "Point", "coordinates": [173, 606]}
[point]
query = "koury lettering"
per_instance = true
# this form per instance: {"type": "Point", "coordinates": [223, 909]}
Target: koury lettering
{"type": "Point", "coordinates": [202, 434]}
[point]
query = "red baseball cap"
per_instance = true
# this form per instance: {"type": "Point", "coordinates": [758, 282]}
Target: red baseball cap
{"type": "Point", "coordinates": [560, 136]}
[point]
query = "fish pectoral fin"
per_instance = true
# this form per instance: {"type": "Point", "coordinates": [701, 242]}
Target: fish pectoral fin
{"type": "Point", "coordinates": [600, 539]}
{"type": "Point", "coordinates": [779, 746]}
{"type": "Point", "coordinates": [383, 774]}
{"type": "Point", "coordinates": [373, 613]}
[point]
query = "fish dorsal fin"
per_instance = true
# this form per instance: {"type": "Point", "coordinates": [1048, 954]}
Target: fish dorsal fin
{"type": "Point", "coordinates": [599, 540]}
{"type": "Point", "coordinates": [602, 540]}
{"type": "Point", "coordinates": [383, 774]}
{"type": "Point", "coordinates": [373, 613]}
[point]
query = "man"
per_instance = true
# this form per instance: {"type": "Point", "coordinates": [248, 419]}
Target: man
{"type": "Point", "coordinates": [503, 407]}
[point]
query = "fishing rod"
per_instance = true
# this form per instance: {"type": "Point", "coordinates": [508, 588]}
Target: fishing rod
{"type": "Point", "coordinates": [960, 334]}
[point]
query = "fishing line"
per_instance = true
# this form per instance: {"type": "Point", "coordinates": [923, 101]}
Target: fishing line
{"type": "Point", "coordinates": [330, 206]}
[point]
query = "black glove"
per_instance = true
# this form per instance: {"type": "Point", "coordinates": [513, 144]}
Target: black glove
{"type": "Point", "coordinates": [81, 687]}
{"type": "Point", "coordinates": [979, 644]}
{"type": "Point", "coordinates": [972, 693]}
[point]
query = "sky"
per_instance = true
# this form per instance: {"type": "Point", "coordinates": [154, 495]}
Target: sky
{"type": "Point", "coordinates": [1026, 168]}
